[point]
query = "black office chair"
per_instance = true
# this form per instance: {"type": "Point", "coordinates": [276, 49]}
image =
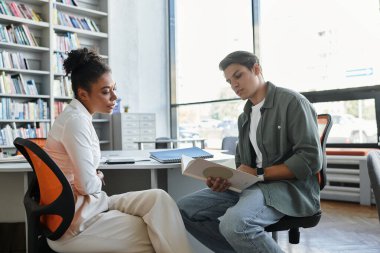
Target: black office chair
{"type": "Point", "coordinates": [49, 201]}
{"type": "Point", "coordinates": [292, 224]}
{"type": "Point", "coordinates": [229, 144]}
{"type": "Point", "coordinates": [373, 163]}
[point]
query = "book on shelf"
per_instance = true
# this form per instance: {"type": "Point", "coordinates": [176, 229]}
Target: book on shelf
{"type": "Point", "coordinates": [175, 155]}
{"type": "Point", "coordinates": [59, 107]}
{"type": "Point", "coordinates": [66, 41]}
{"type": "Point", "coordinates": [15, 84]}
{"type": "Point", "coordinates": [202, 169]}
{"type": "Point", "coordinates": [59, 59]}
{"type": "Point", "coordinates": [26, 11]}
{"type": "Point", "coordinates": [4, 8]}
{"type": "Point", "coordinates": [13, 110]}
{"type": "Point", "coordinates": [83, 23]}
{"type": "Point", "coordinates": [75, 23]}
{"type": "Point", "coordinates": [18, 34]}
{"type": "Point", "coordinates": [32, 87]}
{"type": "Point", "coordinates": [14, 60]}
{"type": "Point", "coordinates": [19, 10]}
{"type": "Point", "coordinates": [8, 133]}
{"type": "Point", "coordinates": [15, 10]}
{"type": "Point", "coordinates": [68, 2]}
{"type": "Point", "coordinates": [19, 84]}
{"type": "Point", "coordinates": [62, 87]}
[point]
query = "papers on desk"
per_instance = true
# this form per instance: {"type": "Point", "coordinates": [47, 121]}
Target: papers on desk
{"type": "Point", "coordinates": [122, 159]}
{"type": "Point", "coordinates": [119, 160]}
{"type": "Point", "coordinates": [13, 159]}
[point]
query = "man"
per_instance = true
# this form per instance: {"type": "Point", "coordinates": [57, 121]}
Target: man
{"type": "Point", "coordinates": [279, 142]}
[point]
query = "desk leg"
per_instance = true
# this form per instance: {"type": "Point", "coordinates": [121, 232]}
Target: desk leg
{"type": "Point", "coordinates": [153, 179]}
{"type": "Point", "coordinates": [26, 184]}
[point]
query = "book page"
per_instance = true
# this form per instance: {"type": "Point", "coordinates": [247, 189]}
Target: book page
{"type": "Point", "coordinates": [201, 169]}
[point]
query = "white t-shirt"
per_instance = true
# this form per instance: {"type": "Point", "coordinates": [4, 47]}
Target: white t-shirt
{"type": "Point", "coordinates": [255, 118]}
{"type": "Point", "coordinates": [74, 146]}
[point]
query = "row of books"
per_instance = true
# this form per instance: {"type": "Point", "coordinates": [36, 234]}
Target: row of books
{"type": "Point", "coordinates": [68, 2]}
{"type": "Point", "coordinates": [13, 60]}
{"type": "Point", "coordinates": [8, 134]}
{"type": "Point", "coordinates": [59, 107]}
{"type": "Point", "coordinates": [83, 23]}
{"type": "Point", "coordinates": [66, 41]}
{"type": "Point", "coordinates": [15, 84]}
{"type": "Point", "coordinates": [19, 34]}
{"type": "Point", "coordinates": [18, 10]}
{"type": "Point", "coordinates": [59, 59]}
{"type": "Point", "coordinates": [62, 87]}
{"type": "Point", "coordinates": [12, 110]}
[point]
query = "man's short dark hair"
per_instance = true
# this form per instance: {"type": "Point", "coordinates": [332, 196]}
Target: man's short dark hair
{"type": "Point", "coordinates": [239, 57]}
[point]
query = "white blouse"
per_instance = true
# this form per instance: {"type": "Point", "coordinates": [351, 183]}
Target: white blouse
{"type": "Point", "coordinates": [74, 146]}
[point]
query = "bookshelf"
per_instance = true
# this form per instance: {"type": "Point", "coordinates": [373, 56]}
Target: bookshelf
{"type": "Point", "coordinates": [29, 37]}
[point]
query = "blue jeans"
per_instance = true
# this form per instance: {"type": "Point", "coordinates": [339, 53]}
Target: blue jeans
{"type": "Point", "coordinates": [227, 222]}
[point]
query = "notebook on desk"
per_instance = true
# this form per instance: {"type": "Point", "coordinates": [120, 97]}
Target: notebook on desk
{"type": "Point", "coordinates": [120, 160]}
{"type": "Point", "coordinates": [175, 155]}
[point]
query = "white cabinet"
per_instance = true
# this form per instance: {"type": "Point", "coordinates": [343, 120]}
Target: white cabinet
{"type": "Point", "coordinates": [128, 128]}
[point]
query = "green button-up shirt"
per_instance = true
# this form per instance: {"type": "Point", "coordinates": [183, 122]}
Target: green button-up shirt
{"type": "Point", "coordinates": [287, 133]}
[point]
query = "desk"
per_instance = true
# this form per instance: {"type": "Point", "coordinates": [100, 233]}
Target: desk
{"type": "Point", "coordinates": [151, 165]}
{"type": "Point", "coordinates": [173, 142]}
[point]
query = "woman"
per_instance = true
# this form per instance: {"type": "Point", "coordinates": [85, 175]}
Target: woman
{"type": "Point", "coordinates": [144, 221]}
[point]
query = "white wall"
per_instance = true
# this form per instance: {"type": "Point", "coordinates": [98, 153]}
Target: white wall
{"type": "Point", "coordinates": [139, 57]}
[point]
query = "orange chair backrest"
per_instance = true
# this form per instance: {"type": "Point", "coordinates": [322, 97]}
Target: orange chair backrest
{"type": "Point", "coordinates": [49, 202]}
{"type": "Point", "coordinates": [41, 142]}
{"type": "Point", "coordinates": [50, 189]}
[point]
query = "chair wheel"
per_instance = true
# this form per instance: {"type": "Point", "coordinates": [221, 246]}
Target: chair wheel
{"type": "Point", "coordinates": [294, 236]}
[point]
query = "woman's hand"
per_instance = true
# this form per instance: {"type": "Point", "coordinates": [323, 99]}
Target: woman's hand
{"type": "Point", "coordinates": [101, 176]}
{"type": "Point", "coordinates": [218, 184]}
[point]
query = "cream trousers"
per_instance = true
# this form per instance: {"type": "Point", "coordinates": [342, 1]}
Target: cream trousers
{"type": "Point", "coordinates": [137, 222]}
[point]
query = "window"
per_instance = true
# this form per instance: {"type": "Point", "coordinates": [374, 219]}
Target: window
{"type": "Point", "coordinates": [320, 44]}
{"type": "Point", "coordinates": [205, 31]}
{"type": "Point", "coordinates": [211, 121]}
{"type": "Point", "coordinates": [326, 49]}
{"type": "Point", "coordinates": [353, 120]}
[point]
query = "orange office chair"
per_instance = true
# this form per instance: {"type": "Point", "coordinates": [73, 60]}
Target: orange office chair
{"type": "Point", "coordinates": [49, 201]}
{"type": "Point", "coordinates": [292, 224]}
{"type": "Point", "coordinates": [39, 141]}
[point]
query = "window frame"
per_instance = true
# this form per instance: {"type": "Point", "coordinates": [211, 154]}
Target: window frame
{"type": "Point", "coordinates": [358, 93]}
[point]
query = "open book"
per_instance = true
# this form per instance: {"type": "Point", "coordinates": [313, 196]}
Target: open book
{"type": "Point", "coordinates": [202, 169]}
